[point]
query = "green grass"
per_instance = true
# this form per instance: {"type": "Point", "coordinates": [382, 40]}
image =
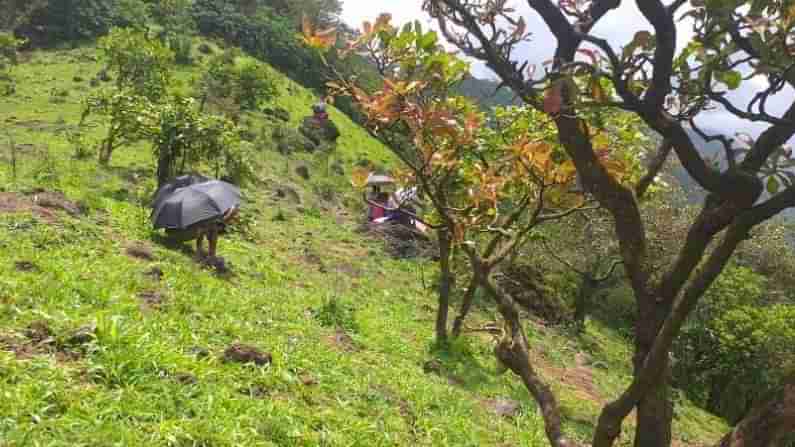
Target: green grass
{"type": "Point", "coordinates": [140, 381]}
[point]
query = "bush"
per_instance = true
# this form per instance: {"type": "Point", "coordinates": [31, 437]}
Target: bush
{"type": "Point", "coordinates": [265, 35]}
{"type": "Point", "coordinates": [182, 46]}
{"type": "Point", "coordinates": [734, 349]}
{"type": "Point", "coordinates": [61, 21]}
{"type": "Point", "coordinates": [8, 59]}
{"type": "Point", "coordinates": [247, 82]}
{"type": "Point", "coordinates": [338, 314]}
{"type": "Point", "coordinates": [140, 63]}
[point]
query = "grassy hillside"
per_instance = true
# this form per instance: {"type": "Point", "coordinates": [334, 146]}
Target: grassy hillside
{"type": "Point", "coordinates": [110, 337]}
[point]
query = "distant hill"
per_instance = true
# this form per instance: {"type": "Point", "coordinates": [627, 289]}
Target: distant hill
{"type": "Point", "coordinates": [486, 94]}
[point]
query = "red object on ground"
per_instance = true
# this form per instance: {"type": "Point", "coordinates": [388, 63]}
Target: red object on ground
{"type": "Point", "coordinates": [376, 212]}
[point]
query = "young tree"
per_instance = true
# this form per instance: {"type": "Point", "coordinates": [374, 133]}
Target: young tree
{"type": "Point", "coordinates": [140, 63]}
{"type": "Point", "coordinates": [182, 137]}
{"type": "Point", "coordinates": [489, 188]}
{"type": "Point", "coordinates": [420, 122]}
{"type": "Point", "coordinates": [668, 91]}
{"type": "Point", "coordinates": [9, 46]}
{"type": "Point", "coordinates": [142, 68]}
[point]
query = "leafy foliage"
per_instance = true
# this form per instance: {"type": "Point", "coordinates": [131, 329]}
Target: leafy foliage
{"type": "Point", "coordinates": [264, 35]}
{"type": "Point", "coordinates": [140, 63]}
{"type": "Point", "coordinates": [16, 12]}
{"type": "Point", "coordinates": [248, 82]}
{"type": "Point", "coordinates": [8, 59]}
{"type": "Point", "coordinates": [183, 139]}
{"type": "Point", "coordinates": [58, 21]}
{"type": "Point", "coordinates": [735, 348]}
{"type": "Point", "coordinates": [178, 27]}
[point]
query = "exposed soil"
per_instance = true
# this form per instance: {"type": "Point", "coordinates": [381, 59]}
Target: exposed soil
{"type": "Point", "coordinates": [26, 267]}
{"type": "Point", "coordinates": [16, 203]}
{"type": "Point", "coordinates": [185, 378]}
{"type": "Point", "coordinates": [140, 251]}
{"type": "Point", "coordinates": [255, 392]}
{"type": "Point", "coordinates": [506, 408]}
{"type": "Point", "coordinates": [342, 342]}
{"type": "Point", "coordinates": [349, 269]}
{"type": "Point", "coordinates": [240, 353]}
{"type": "Point", "coordinates": [39, 339]}
{"type": "Point", "coordinates": [151, 300]}
{"type": "Point", "coordinates": [308, 379]}
{"type": "Point", "coordinates": [402, 242]}
{"type": "Point", "coordinates": [56, 201]}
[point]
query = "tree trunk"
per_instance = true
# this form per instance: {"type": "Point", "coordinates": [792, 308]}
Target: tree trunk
{"type": "Point", "coordinates": [445, 284]}
{"type": "Point", "coordinates": [767, 423]}
{"type": "Point", "coordinates": [583, 302]}
{"type": "Point", "coordinates": [106, 150]}
{"type": "Point", "coordinates": [164, 167]}
{"type": "Point", "coordinates": [514, 353]}
{"type": "Point", "coordinates": [655, 414]}
{"type": "Point", "coordinates": [655, 410]}
{"type": "Point", "coordinates": [466, 306]}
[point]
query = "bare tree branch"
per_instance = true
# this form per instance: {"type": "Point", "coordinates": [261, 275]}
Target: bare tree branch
{"type": "Point", "coordinates": [654, 168]}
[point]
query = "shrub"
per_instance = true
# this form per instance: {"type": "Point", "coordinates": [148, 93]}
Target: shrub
{"type": "Point", "coordinates": [247, 82]}
{"type": "Point", "coordinates": [265, 35]}
{"type": "Point", "coordinates": [339, 314]}
{"type": "Point", "coordinates": [140, 63]}
{"type": "Point", "coordinates": [182, 46]}
{"type": "Point", "coordinates": [734, 349]}
{"type": "Point", "coordinates": [8, 59]}
{"type": "Point", "coordinates": [59, 21]}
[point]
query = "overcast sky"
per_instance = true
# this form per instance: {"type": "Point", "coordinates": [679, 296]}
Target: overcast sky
{"type": "Point", "coordinates": [618, 27]}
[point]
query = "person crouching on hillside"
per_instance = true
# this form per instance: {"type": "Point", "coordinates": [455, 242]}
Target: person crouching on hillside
{"type": "Point", "coordinates": [209, 229]}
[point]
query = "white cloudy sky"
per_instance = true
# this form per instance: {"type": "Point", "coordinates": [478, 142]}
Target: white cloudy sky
{"type": "Point", "coordinates": [618, 27]}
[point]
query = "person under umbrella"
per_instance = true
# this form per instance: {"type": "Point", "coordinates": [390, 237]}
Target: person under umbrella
{"type": "Point", "coordinates": [179, 182]}
{"type": "Point", "coordinates": [198, 211]}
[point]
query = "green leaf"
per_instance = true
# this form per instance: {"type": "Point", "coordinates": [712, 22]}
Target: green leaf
{"type": "Point", "coordinates": [428, 41]}
{"type": "Point", "coordinates": [732, 79]}
{"type": "Point", "coordinates": [772, 185]}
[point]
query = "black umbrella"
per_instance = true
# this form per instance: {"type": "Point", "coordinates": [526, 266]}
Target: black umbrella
{"type": "Point", "coordinates": [195, 203]}
{"type": "Point", "coordinates": [179, 182]}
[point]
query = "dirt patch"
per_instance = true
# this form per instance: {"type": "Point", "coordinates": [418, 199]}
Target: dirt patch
{"type": "Point", "coordinates": [185, 378]}
{"type": "Point", "coordinates": [308, 379]}
{"type": "Point", "coordinates": [288, 194]}
{"type": "Point", "coordinates": [39, 331]}
{"type": "Point", "coordinates": [199, 352]}
{"type": "Point", "coordinates": [401, 242]}
{"type": "Point", "coordinates": [255, 392]}
{"type": "Point", "coordinates": [39, 339]}
{"type": "Point", "coordinates": [57, 201]}
{"type": "Point", "coordinates": [578, 378]}
{"type": "Point", "coordinates": [506, 408]}
{"type": "Point", "coordinates": [16, 203]}
{"type": "Point", "coordinates": [349, 269]}
{"type": "Point", "coordinates": [151, 300]}
{"type": "Point", "coordinates": [312, 258]}
{"type": "Point", "coordinates": [240, 353]}
{"type": "Point", "coordinates": [342, 342]}
{"type": "Point", "coordinates": [26, 267]}
{"type": "Point", "coordinates": [140, 251]}
{"type": "Point", "coordinates": [82, 336]}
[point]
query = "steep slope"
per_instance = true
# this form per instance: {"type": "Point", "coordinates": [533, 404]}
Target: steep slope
{"type": "Point", "coordinates": [110, 337]}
